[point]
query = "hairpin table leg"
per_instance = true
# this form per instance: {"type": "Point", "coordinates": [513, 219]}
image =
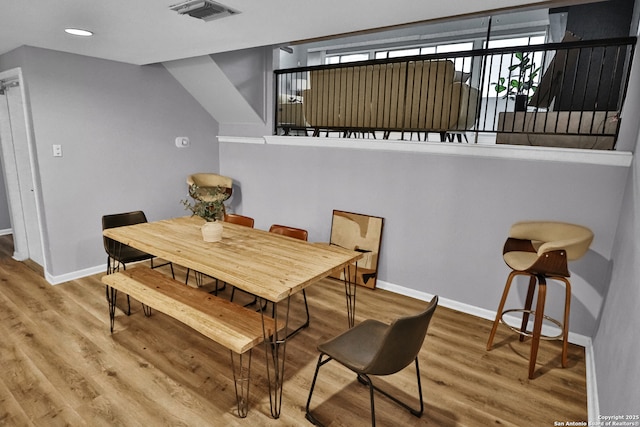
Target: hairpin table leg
{"type": "Point", "coordinates": [241, 365]}
{"type": "Point", "coordinates": [275, 346]}
{"type": "Point", "coordinates": [350, 293]}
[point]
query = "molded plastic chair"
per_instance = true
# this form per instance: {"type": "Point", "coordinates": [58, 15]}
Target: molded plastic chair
{"type": "Point", "coordinates": [239, 219]}
{"type": "Point", "coordinates": [296, 233]}
{"type": "Point", "coordinates": [284, 230]}
{"type": "Point", "coordinates": [375, 348]}
{"type": "Point", "coordinates": [119, 254]}
{"type": "Point", "coordinates": [540, 250]}
{"type": "Point", "coordinates": [210, 180]}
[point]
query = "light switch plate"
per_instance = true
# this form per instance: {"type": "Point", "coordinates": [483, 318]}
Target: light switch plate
{"type": "Point", "coordinates": [57, 150]}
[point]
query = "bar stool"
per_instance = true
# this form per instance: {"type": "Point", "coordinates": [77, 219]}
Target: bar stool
{"type": "Point", "coordinates": [540, 250]}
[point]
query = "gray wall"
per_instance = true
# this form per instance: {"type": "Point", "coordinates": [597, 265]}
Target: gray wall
{"type": "Point", "coordinates": [616, 344]}
{"type": "Point", "coordinates": [446, 217]}
{"type": "Point", "coordinates": [117, 124]}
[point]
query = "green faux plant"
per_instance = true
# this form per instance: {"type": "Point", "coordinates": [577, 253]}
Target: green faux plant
{"type": "Point", "coordinates": [521, 79]}
{"type": "Point", "coordinates": [208, 202]}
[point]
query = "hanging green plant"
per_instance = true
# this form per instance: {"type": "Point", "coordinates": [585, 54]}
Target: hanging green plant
{"type": "Point", "coordinates": [522, 79]}
{"type": "Point", "coordinates": [208, 202]}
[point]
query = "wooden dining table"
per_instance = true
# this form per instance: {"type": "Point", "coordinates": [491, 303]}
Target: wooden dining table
{"type": "Point", "coordinates": [270, 266]}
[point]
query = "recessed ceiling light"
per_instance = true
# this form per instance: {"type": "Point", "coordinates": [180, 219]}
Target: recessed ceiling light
{"type": "Point", "coordinates": [78, 32]}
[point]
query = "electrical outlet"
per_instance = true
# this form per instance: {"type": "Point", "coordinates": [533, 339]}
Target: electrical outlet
{"type": "Point", "coordinates": [57, 150]}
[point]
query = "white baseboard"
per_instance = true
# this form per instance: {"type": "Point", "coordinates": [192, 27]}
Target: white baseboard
{"type": "Point", "coordinates": [593, 408]}
{"type": "Point", "coordinates": [6, 231]}
{"type": "Point", "coordinates": [581, 340]}
{"type": "Point", "coordinates": [56, 280]}
{"type": "Point", "coordinates": [593, 405]}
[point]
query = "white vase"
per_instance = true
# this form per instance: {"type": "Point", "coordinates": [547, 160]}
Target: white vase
{"type": "Point", "coordinates": [212, 231]}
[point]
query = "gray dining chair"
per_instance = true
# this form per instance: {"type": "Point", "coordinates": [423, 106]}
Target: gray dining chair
{"type": "Point", "coordinates": [373, 348]}
{"type": "Point", "coordinates": [119, 254]}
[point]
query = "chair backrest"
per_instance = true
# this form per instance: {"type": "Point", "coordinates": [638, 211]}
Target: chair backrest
{"type": "Point", "coordinates": [402, 342]}
{"type": "Point", "coordinates": [296, 233]}
{"type": "Point", "coordinates": [120, 220]}
{"type": "Point", "coordinates": [239, 219]}
{"type": "Point", "coordinates": [210, 180]}
{"type": "Point", "coordinates": [553, 235]}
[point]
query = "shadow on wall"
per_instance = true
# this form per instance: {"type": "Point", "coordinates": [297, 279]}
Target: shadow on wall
{"type": "Point", "coordinates": [596, 271]}
{"type": "Point", "coordinates": [590, 279]}
{"type": "Point", "coordinates": [235, 201]}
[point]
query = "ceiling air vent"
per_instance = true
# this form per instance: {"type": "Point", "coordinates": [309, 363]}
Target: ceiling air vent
{"type": "Point", "coordinates": [206, 10]}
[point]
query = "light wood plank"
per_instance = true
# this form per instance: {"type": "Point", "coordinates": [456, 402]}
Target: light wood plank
{"type": "Point", "coordinates": [157, 371]}
{"type": "Point", "coordinates": [265, 264]}
{"type": "Point", "coordinates": [231, 325]}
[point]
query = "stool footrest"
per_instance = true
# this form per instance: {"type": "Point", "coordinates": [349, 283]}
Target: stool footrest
{"type": "Point", "coordinates": [527, 333]}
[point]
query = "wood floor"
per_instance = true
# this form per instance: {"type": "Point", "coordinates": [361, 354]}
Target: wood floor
{"type": "Point", "coordinates": [60, 366]}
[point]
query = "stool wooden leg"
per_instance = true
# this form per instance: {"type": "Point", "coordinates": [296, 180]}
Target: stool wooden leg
{"type": "Point", "coordinates": [505, 293]}
{"type": "Point", "coordinates": [527, 306]}
{"type": "Point", "coordinates": [565, 325]}
{"type": "Point", "coordinates": [537, 324]}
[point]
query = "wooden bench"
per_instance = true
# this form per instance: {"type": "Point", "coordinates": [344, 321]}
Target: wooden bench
{"type": "Point", "coordinates": [235, 327]}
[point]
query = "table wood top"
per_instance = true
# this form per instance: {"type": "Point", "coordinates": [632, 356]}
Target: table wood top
{"type": "Point", "coordinates": [265, 264]}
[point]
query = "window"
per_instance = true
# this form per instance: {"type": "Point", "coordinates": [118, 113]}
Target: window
{"type": "Point", "coordinates": [341, 59]}
{"type": "Point", "coordinates": [498, 65]}
{"type": "Point", "coordinates": [460, 64]}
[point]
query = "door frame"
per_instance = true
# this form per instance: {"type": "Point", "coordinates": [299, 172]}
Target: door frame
{"type": "Point", "coordinates": [12, 182]}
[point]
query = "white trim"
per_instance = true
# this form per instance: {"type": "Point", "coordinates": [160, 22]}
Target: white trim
{"type": "Point", "coordinates": [6, 232]}
{"type": "Point", "coordinates": [593, 409]}
{"type": "Point", "coordinates": [592, 389]}
{"type": "Point", "coordinates": [593, 404]}
{"type": "Point", "coordinates": [514, 152]}
{"type": "Point", "coordinates": [483, 313]}
{"type": "Point", "coordinates": [56, 280]}
{"type": "Point", "coordinates": [241, 140]}
{"type": "Point", "coordinates": [17, 208]}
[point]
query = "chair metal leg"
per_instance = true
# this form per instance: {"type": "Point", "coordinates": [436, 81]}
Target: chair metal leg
{"type": "Point", "coordinates": [113, 266]}
{"type": "Point", "coordinates": [253, 302]}
{"type": "Point", "coordinates": [308, 415]}
{"type": "Point", "coordinates": [307, 321]}
{"type": "Point", "coordinates": [162, 265]}
{"type": "Point", "coordinates": [367, 381]}
{"type": "Point", "coordinates": [364, 379]}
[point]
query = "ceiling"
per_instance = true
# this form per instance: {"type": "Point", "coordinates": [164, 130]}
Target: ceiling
{"type": "Point", "coordinates": [147, 31]}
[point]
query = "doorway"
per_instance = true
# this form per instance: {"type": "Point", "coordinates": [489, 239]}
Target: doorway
{"type": "Point", "coordinates": [18, 164]}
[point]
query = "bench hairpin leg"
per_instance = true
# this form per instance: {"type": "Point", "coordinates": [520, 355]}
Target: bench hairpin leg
{"type": "Point", "coordinates": [112, 294]}
{"type": "Point", "coordinates": [147, 310]}
{"type": "Point", "coordinates": [275, 347]}
{"type": "Point", "coordinates": [113, 266]}
{"type": "Point", "coordinates": [241, 366]}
